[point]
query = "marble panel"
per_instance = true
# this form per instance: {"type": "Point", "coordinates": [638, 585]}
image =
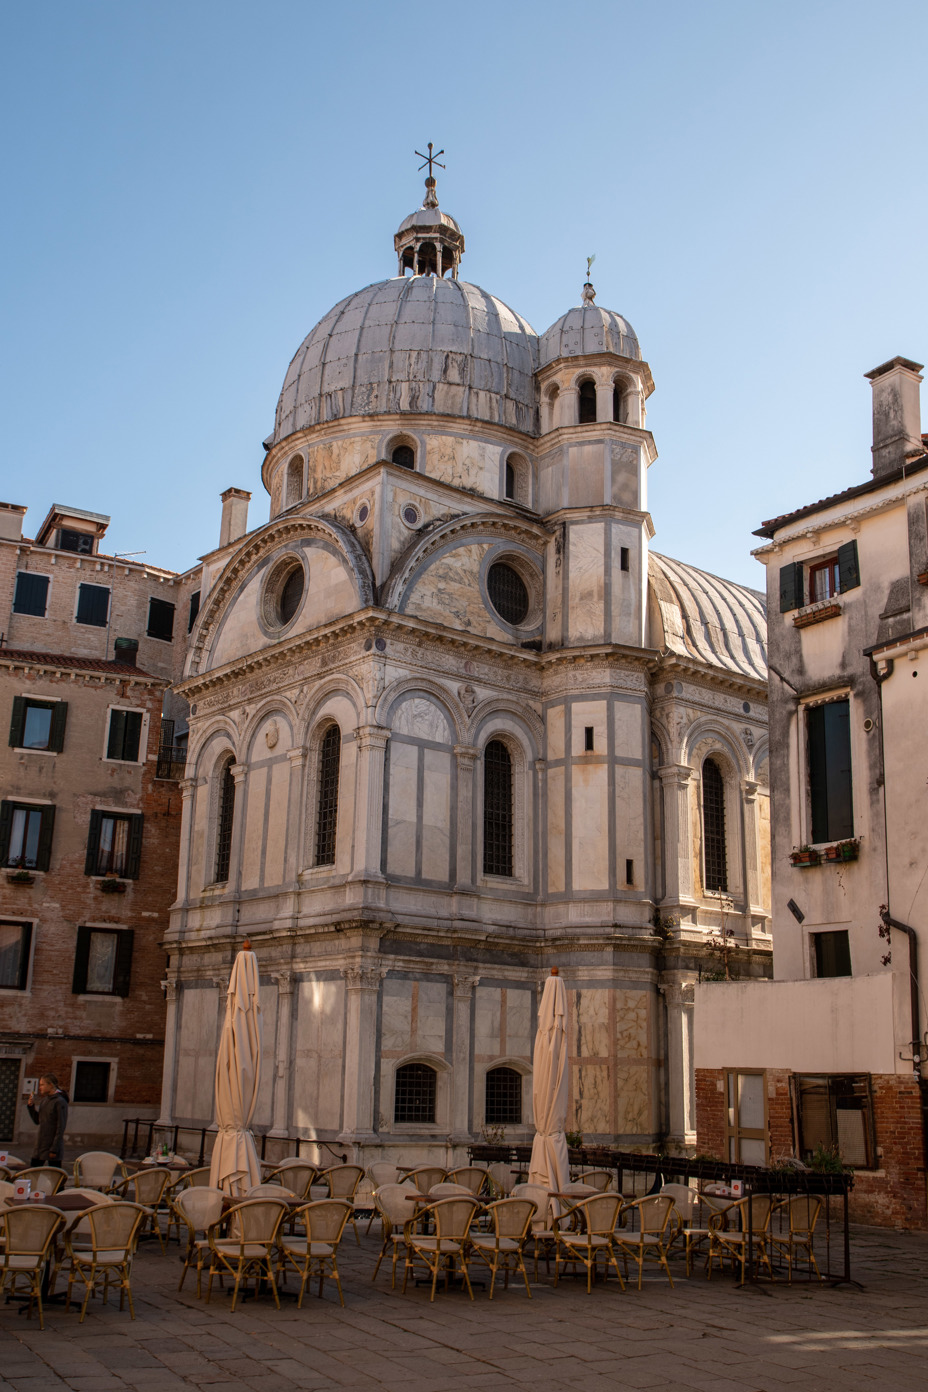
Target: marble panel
{"type": "Point", "coordinates": [629, 818]}
{"type": "Point", "coordinates": [471, 464]}
{"type": "Point", "coordinates": [556, 839]}
{"type": "Point", "coordinates": [586, 475]}
{"type": "Point", "coordinates": [555, 728]}
{"type": "Point", "coordinates": [277, 823]}
{"type": "Point", "coordinates": [486, 1021]}
{"type": "Point", "coordinates": [630, 731]}
{"type": "Point", "coordinates": [590, 829]}
{"type": "Point", "coordinates": [632, 1027]}
{"type": "Point", "coordinates": [264, 1109]}
{"type": "Point", "coordinates": [256, 792]}
{"type": "Point", "coordinates": [592, 1101]}
{"type": "Point", "coordinates": [633, 1106]}
{"type": "Point", "coordinates": [586, 543]}
{"type": "Point", "coordinates": [401, 827]}
{"type": "Point", "coordinates": [448, 592]}
{"type": "Point", "coordinates": [317, 1074]}
{"type": "Point", "coordinates": [589, 1014]}
{"type": "Point", "coordinates": [198, 1040]}
{"type": "Point", "coordinates": [519, 1036]}
{"type": "Point", "coordinates": [436, 815]}
{"type": "Point", "coordinates": [423, 719]}
{"type": "Point", "coordinates": [396, 1019]}
{"type": "Point", "coordinates": [625, 476]}
{"type": "Point", "coordinates": [432, 1015]}
{"type": "Point", "coordinates": [582, 714]}
{"type": "Point", "coordinates": [550, 486]}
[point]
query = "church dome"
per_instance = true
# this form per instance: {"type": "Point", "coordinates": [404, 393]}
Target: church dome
{"type": "Point", "coordinates": [419, 344]}
{"type": "Point", "coordinates": [588, 329]}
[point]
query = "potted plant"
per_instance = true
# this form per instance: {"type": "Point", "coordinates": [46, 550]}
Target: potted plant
{"type": "Point", "coordinates": [21, 876]}
{"type": "Point", "coordinates": [804, 855]}
{"type": "Point", "coordinates": [112, 884]}
{"type": "Point", "coordinates": [848, 850]}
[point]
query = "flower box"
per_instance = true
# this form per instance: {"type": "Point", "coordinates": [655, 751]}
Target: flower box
{"type": "Point", "coordinates": [111, 885]}
{"type": "Point", "coordinates": [20, 877]}
{"type": "Point", "coordinates": [803, 858]}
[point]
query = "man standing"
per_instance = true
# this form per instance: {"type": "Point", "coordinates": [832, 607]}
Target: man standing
{"type": "Point", "coordinates": [50, 1116]}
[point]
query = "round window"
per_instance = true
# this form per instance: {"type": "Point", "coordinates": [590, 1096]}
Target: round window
{"type": "Point", "coordinates": [291, 592]}
{"type": "Point", "coordinates": [508, 592]}
{"type": "Point", "coordinates": [362, 514]}
{"type": "Point", "coordinates": [410, 515]}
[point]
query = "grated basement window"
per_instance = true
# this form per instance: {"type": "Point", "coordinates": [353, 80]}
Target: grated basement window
{"type": "Point", "coordinates": [327, 804]}
{"type": "Point", "coordinates": [497, 809]}
{"type": "Point", "coordinates": [713, 828]}
{"type": "Point", "coordinates": [414, 1096]}
{"type": "Point", "coordinates": [224, 830]}
{"type": "Point", "coordinates": [508, 593]}
{"type": "Point", "coordinates": [503, 1105]}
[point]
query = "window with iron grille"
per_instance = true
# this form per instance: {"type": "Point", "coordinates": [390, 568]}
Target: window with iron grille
{"type": "Point", "coordinates": [414, 1096]}
{"type": "Point", "coordinates": [497, 809]}
{"type": "Point", "coordinates": [503, 1105]}
{"type": "Point", "coordinates": [508, 592]}
{"type": "Point", "coordinates": [224, 827]}
{"type": "Point", "coordinates": [713, 828]}
{"type": "Point", "coordinates": [91, 1081]}
{"type": "Point", "coordinates": [327, 799]}
{"type": "Point", "coordinates": [404, 456]}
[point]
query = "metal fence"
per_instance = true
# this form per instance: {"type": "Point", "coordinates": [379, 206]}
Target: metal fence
{"type": "Point", "coordinates": [140, 1137]}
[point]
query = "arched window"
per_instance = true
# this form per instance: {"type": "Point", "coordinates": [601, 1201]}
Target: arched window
{"type": "Point", "coordinates": [503, 1099]}
{"type": "Point", "coordinates": [224, 824]}
{"type": "Point", "coordinates": [497, 809]}
{"type": "Point", "coordinates": [428, 259]}
{"type": "Point", "coordinates": [618, 403]}
{"type": "Point", "coordinates": [587, 402]}
{"type": "Point", "coordinates": [713, 828]}
{"type": "Point", "coordinates": [291, 592]}
{"type": "Point", "coordinates": [327, 798]}
{"type": "Point", "coordinates": [403, 455]}
{"type": "Point", "coordinates": [510, 479]}
{"type": "Point", "coordinates": [414, 1095]}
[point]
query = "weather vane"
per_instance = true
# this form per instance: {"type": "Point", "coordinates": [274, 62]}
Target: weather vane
{"type": "Point", "coordinates": [430, 159]}
{"type": "Point", "coordinates": [589, 294]}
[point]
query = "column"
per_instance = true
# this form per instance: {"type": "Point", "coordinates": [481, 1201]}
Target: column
{"type": "Point", "coordinates": [467, 757]}
{"type": "Point", "coordinates": [604, 401]}
{"type": "Point", "coordinates": [368, 838]}
{"type": "Point", "coordinates": [296, 804]}
{"type": "Point", "coordinates": [678, 998]}
{"type": "Point", "coordinates": [678, 888]}
{"type": "Point", "coordinates": [188, 787]}
{"type": "Point", "coordinates": [282, 1061]}
{"type": "Point", "coordinates": [752, 892]}
{"type": "Point", "coordinates": [362, 986]}
{"type": "Point", "coordinates": [461, 1046]}
{"type": "Point", "coordinates": [169, 1067]}
{"type": "Point", "coordinates": [568, 406]}
{"type": "Point", "coordinates": [240, 773]}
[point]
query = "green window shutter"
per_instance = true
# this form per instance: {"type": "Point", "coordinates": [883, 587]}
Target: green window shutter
{"type": "Point", "coordinates": [114, 745]}
{"type": "Point", "coordinates": [59, 720]}
{"type": "Point", "coordinates": [848, 567]}
{"type": "Point", "coordinates": [838, 751]}
{"type": "Point", "coordinates": [44, 852]}
{"type": "Point", "coordinates": [6, 826]}
{"type": "Point", "coordinates": [93, 843]}
{"type": "Point", "coordinates": [18, 723]}
{"type": "Point", "coordinates": [134, 853]}
{"type": "Point", "coordinates": [133, 735]}
{"type": "Point", "coordinates": [123, 969]}
{"type": "Point", "coordinates": [81, 962]}
{"type": "Point", "coordinates": [791, 577]}
{"type": "Point", "coordinates": [24, 945]}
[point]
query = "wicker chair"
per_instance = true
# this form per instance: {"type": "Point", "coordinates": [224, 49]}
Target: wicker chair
{"type": "Point", "coordinates": [147, 1188]}
{"type": "Point", "coordinates": [97, 1169]}
{"type": "Point", "coordinates": [425, 1176]}
{"type": "Point", "coordinates": [472, 1177]}
{"type": "Point", "coordinates": [27, 1235]}
{"type": "Point", "coordinates": [447, 1190]}
{"type": "Point", "coordinates": [296, 1176]}
{"type": "Point", "coordinates": [501, 1179]}
{"type": "Point", "coordinates": [502, 1251]}
{"type": "Point", "coordinates": [392, 1202]}
{"type": "Point", "coordinates": [600, 1180]}
{"type": "Point", "coordinates": [688, 1210]}
{"type": "Point", "coordinates": [655, 1215]}
{"type": "Point", "coordinates": [543, 1235]}
{"type": "Point", "coordinates": [315, 1253]}
{"type": "Point", "coordinates": [77, 1229]}
{"type": "Point", "coordinates": [802, 1211]}
{"type": "Point", "coordinates": [586, 1233]}
{"type": "Point", "coordinates": [342, 1182]}
{"type": "Point", "coordinates": [449, 1244]}
{"type": "Point", "coordinates": [728, 1235]}
{"type": "Point", "coordinates": [197, 1209]}
{"type": "Point", "coordinates": [114, 1231]}
{"type": "Point", "coordinates": [269, 1191]}
{"type": "Point", "coordinates": [197, 1179]}
{"type": "Point", "coordinates": [47, 1179]}
{"type": "Point", "coordinates": [255, 1223]}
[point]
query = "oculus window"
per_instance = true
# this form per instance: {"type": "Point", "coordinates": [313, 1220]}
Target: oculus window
{"type": "Point", "coordinates": [508, 593]}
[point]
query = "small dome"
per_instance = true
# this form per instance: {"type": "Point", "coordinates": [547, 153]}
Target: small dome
{"type": "Point", "coordinates": [588, 329]}
{"type": "Point", "coordinates": [417, 344]}
{"type": "Point", "coordinates": [428, 218]}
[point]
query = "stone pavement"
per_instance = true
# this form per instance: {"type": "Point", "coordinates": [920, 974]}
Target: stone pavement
{"type": "Point", "coordinates": [700, 1337]}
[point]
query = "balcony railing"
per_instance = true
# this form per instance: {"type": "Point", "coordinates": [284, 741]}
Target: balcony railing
{"type": "Point", "coordinates": [171, 761]}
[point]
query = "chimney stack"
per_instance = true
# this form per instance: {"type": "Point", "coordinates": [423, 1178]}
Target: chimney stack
{"type": "Point", "coordinates": [234, 515]}
{"type": "Point", "coordinates": [11, 521]}
{"type": "Point", "coordinates": [897, 430]}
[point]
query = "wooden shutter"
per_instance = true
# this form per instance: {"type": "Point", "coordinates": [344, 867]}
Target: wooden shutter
{"type": "Point", "coordinates": [6, 825]}
{"type": "Point", "coordinates": [47, 827]}
{"type": "Point", "coordinates": [134, 852]}
{"type": "Point", "coordinates": [93, 843]}
{"type": "Point", "coordinates": [133, 736]}
{"type": "Point", "coordinates": [81, 960]}
{"type": "Point", "coordinates": [838, 754]}
{"type": "Point", "coordinates": [59, 720]}
{"type": "Point", "coordinates": [117, 737]}
{"type": "Point", "coordinates": [790, 586]}
{"type": "Point", "coordinates": [848, 567]}
{"type": "Point", "coordinates": [25, 943]}
{"type": "Point", "coordinates": [123, 968]}
{"type": "Point", "coordinates": [18, 722]}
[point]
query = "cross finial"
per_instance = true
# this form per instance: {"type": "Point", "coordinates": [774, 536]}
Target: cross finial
{"type": "Point", "coordinates": [431, 197]}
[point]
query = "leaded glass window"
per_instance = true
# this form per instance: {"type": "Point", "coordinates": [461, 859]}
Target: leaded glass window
{"type": "Point", "coordinates": [224, 828]}
{"type": "Point", "coordinates": [503, 1105]}
{"type": "Point", "coordinates": [414, 1096]}
{"type": "Point", "coordinates": [327, 801]}
{"type": "Point", "coordinates": [713, 828]}
{"type": "Point", "coordinates": [497, 809]}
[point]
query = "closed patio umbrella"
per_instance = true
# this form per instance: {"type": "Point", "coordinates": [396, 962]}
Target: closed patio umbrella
{"type": "Point", "coordinates": [549, 1165]}
{"type": "Point", "coordinates": [234, 1166]}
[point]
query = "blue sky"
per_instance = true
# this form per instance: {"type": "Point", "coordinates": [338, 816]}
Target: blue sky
{"type": "Point", "coordinates": [191, 186]}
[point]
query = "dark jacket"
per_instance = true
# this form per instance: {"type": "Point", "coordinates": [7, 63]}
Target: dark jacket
{"type": "Point", "coordinates": [51, 1116]}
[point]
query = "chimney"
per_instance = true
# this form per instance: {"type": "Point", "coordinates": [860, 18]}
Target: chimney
{"type": "Point", "coordinates": [234, 515]}
{"type": "Point", "coordinates": [11, 521]}
{"type": "Point", "coordinates": [897, 430]}
{"type": "Point", "coordinates": [126, 650]}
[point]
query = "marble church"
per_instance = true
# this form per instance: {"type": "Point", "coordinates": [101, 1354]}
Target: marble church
{"type": "Point", "coordinates": [452, 721]}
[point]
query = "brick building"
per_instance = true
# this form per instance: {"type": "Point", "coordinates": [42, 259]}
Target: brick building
{"type": "Point", "coordinates": [829, 1056]}
{"type": "Point", "coordinates": [89, 821]}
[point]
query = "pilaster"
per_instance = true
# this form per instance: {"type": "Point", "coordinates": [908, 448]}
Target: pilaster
{"type": "Point", "coordinates": [362, 985]}
{"type": "Point", "coordinates": [296, 811]}
{"type": "Point", "coordinates": [681, 1081]}
{"type": "Point", "coordinates": [283, 1055]}
{"type": "Point", "coordinates": [371, 747]}
{"type": "Point", "coordinates": [675, 779]}
{"type": "Point", "coordinates": [169, 1067]}
{"type": "Point", "coordinates": [461, 1053]}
